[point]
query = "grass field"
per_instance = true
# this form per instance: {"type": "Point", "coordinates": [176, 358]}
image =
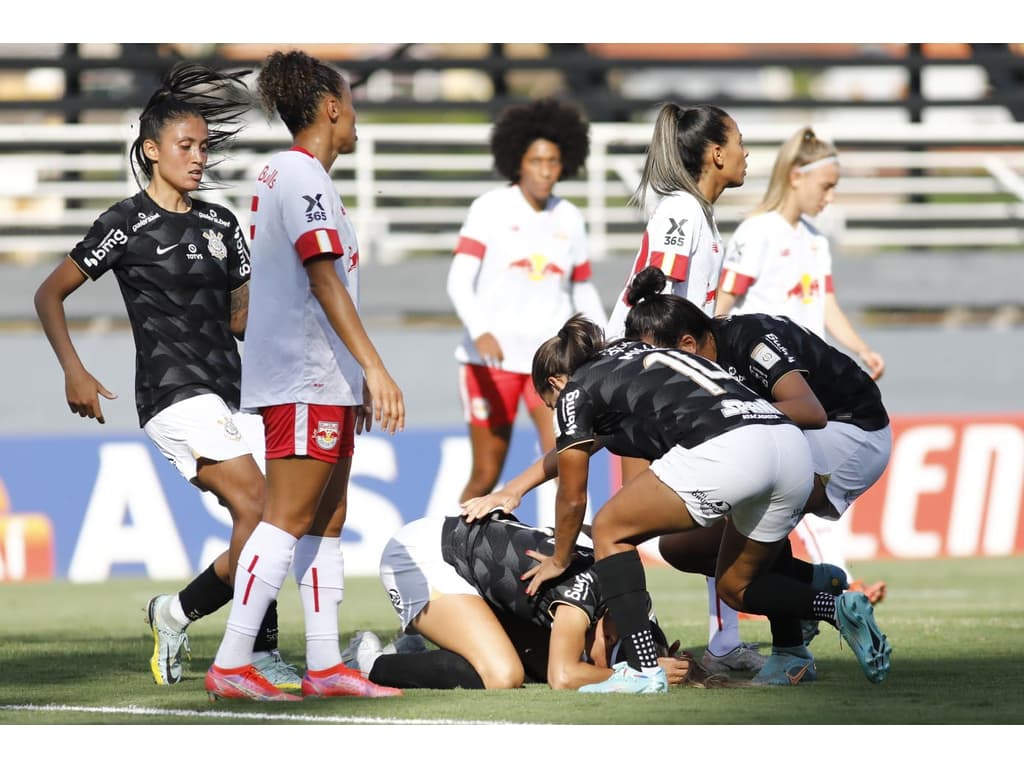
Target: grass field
{"type": "Point", "coordinates": [77, 654]}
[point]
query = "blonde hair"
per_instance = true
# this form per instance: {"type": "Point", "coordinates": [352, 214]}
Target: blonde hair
{"type": "Point", "coordinates": [675, 157]}
{"type": "Point", "coordinates": [802, 148]}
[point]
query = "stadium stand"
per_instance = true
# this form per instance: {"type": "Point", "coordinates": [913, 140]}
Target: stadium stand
{"type": "Point", "coordinates": [930, 137]}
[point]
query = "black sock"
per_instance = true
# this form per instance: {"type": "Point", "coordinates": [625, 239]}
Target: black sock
{"type": "Point", "coordinates": [775, 594]}
{"type": "Point", "coordinates": [786, 631]}
{"type": "Point", "coordinates": [440, 669]}
{"type": "Point", "coordinates": [205, 594]}
{"type": "Point", "coordinates": [266, 638]}
{"type": "Point", "coordinates": [624, 587]}
{"type": "Point", "coordinates": [824, 607]}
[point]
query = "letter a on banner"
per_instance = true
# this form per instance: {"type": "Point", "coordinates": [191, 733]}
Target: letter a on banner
{"type": "Point", "coordinates": [128, 520]}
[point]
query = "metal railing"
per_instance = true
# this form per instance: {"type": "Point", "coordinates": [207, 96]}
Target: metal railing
{"type": "Point", "coordinates": [408, 186]}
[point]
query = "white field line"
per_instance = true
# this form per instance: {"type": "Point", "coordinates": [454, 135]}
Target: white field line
{"type": "Point", "coordinates": [256, 716]}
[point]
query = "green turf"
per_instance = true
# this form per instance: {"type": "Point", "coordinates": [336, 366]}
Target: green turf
{"type": "Point", "coordinates": [78, 654]}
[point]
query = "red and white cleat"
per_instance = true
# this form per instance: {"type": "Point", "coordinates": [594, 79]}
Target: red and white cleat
{"type": "Point", "coordinates": [339, 680]}
{"type": "Point", "coordinates": [243, 683]}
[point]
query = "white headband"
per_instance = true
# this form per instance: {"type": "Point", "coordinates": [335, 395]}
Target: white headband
{"type": "Point", "coordinates": [818, 163]}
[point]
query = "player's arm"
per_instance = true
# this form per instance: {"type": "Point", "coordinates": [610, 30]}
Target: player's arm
{"type": "Point", "coordinates": [239, 312]}
{"type": "Point", "coordinates": [330, 292]}
{"type": "Point", "coordinates": [81, 389]}
{"type": "Point", "coordinates": [839, 325]}
{"type": "Point", "coordinates": [566, 668]}
{"type": "Point", "coordinates": [792, 395]}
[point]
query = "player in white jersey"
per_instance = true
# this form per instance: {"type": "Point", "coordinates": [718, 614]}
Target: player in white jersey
{"type": "Point", "coordinates": [695, 154]}
{"type": "Point", "coordinates": [520, 269]}
{"type": "Point", "coordinates": [778, 263]}
{"type": "Point", "coordinates": [314, 376]}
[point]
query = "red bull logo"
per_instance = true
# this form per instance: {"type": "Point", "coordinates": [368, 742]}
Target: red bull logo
{"type": "Point", "coordinates": [326, 434]}
{"type": "Point", "coordinates": [537, 267]}
{"type": "Point", "coordinates": [806, 290]}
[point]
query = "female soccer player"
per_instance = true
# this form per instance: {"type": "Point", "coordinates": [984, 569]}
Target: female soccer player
{"type": "Point", "coordinates": [716, 450]}
{"type": "Point", "coordinates": [521, 268]}
{"type": "Point", "coordinates": [457, 584]}
{"type": "Point", "coordinates": [314, 376]}
{"type": "Point", "coordinates": [183, 268]}
{"type": "Point", "coordinates": [778, 263]}
{"type": "Point", "coordinates": [820, 388]}
{"type": "Point", "coordinates": [695, 154]}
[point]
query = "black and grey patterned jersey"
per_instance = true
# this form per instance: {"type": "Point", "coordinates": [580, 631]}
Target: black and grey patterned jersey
{"type": "Point", "coordinates": [176, 272]}
{"type": "Point", "coordinates": [759, 349]}
{"type": "Point", "coordinates": [491, 555]}
{"type": "Point", "coordinates": [640, 401]}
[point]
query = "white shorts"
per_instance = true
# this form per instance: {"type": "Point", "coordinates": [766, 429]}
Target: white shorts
{"type": "Point", "coordinates": [758, 475]}
{"type": "Point", "coordinates": [413, 571]}
{"type": "Point", "coordinates": [201, 427]}
{"type": "Point", "coordinates": [849, 459]}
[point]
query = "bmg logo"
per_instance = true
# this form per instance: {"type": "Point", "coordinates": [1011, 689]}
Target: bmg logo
{"type": "Point", "coordinates": [112, 239]}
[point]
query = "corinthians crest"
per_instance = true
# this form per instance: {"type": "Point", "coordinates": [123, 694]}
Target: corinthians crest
{"type": "Point", "coordinates": [216, 240]}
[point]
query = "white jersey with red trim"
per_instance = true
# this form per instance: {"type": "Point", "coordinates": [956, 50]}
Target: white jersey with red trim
{"type": "Point", "coordinates": [775, 268]}
{"type": "Point", "coordinates": [515, 273]}
{"type": "Point", "coordinates": [681, 241]}
{"type": "Point", "coordinates": [291, 352]}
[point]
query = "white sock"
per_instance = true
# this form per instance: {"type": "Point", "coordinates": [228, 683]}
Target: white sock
{"type": "Point", "coordinates": [174, 615]}
{"type": "Point", "coordinates": [823, 540]}
{"type": "Point", "coordinates": [262, 569]}
{"type": "Point", "coordinates": [320, 573]}
{"type": "Point", "coordinates": [723, 623]}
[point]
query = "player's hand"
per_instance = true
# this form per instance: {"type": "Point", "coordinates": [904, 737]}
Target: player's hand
{"type": "Point", "coordinates": [677, 668]}
{"type": "Point", "coordinates": [481, 506]}
{"type": "Point", "coordinates": [386, 400]}
{"type": "Point", "coordinates": [545, 569]}
{"type": "Point", "coordinates": [82, 391]}
{"type": "Point", "coordinates": [364, 412]}
{"type": "Point", "coordinates": [489, 350]}
{"type": "Point", "coordinates": [874, 362]}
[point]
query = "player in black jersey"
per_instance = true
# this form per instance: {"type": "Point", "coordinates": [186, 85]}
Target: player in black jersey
{"type": "Point", "coordinates": [717, 450]}
{"type": "Point", "coordinates": [832, 398]}
{"type": "Point", "coordinates": [182, 265]}
{"type": "Point", "coordinates": [458, 584]}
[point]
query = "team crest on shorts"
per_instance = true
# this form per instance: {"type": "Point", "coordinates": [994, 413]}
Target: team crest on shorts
{"type": "Point", "coordinates": [396, 599]}
{"type": "Point", "coordinates": [216, 242]}
{"type": "Point", "coordinates": [326, 434]}
{"type": "Point", "coordinates": [230, 430]}
{"type": "Point", "coordinates": [480, 408]}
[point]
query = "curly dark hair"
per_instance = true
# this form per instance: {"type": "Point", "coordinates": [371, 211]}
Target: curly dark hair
{"type": "Point", "coordinates": [293, 83]}
{"type": "Point", "coordinates": [519, 126]}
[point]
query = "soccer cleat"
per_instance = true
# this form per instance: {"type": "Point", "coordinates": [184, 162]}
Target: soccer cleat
{"type": "Point", "coordinates": [875, 592]}
{"type": "Point", "coordinates": [169, 645]}
{"type": "Point", "coordinates": [855, 620]}
{"type": "Point", "coordinates": [790, 666]}
{"type": "Point", "coordinates": [340, 680]}
{"type": "Point", "coordinates": [279, 673]}
{"type": "Point", "coordinates": [243, 683]}
{"type": "Point", "coordinates": [625, 679]}
{"type": "Point", "coordinates": [362, 651]}
{"type": "Point", "coordinates": [829, 578]}
{"type": "Point", "coordinates": [744, 656]}
{"type": "Point", "coordinates": [404, 642]}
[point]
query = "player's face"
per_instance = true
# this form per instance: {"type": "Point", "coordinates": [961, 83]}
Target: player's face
{"type": "Point", "coordinates": [179, 156]}
{"type": "Point", "coordinates": [816, 188]}
{"type": "Point", "coordinates": [733, 156]}
{"type": "Point", "coordinates": [539, 170]}
{"type": "Point", "coordinates": [345, 126]}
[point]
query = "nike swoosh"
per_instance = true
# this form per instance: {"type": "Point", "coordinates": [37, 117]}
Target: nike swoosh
{"type": "Point", "coordinates": [795, 679]}
{"type": "Point", "coordinates": [162, 251]}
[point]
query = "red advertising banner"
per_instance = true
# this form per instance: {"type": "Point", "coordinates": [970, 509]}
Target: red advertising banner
{"type": "Point", "coordinates": [953, 488]}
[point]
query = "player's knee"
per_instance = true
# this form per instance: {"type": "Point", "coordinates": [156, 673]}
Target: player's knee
{"type": "Point", "coordinates": [502, 675]}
